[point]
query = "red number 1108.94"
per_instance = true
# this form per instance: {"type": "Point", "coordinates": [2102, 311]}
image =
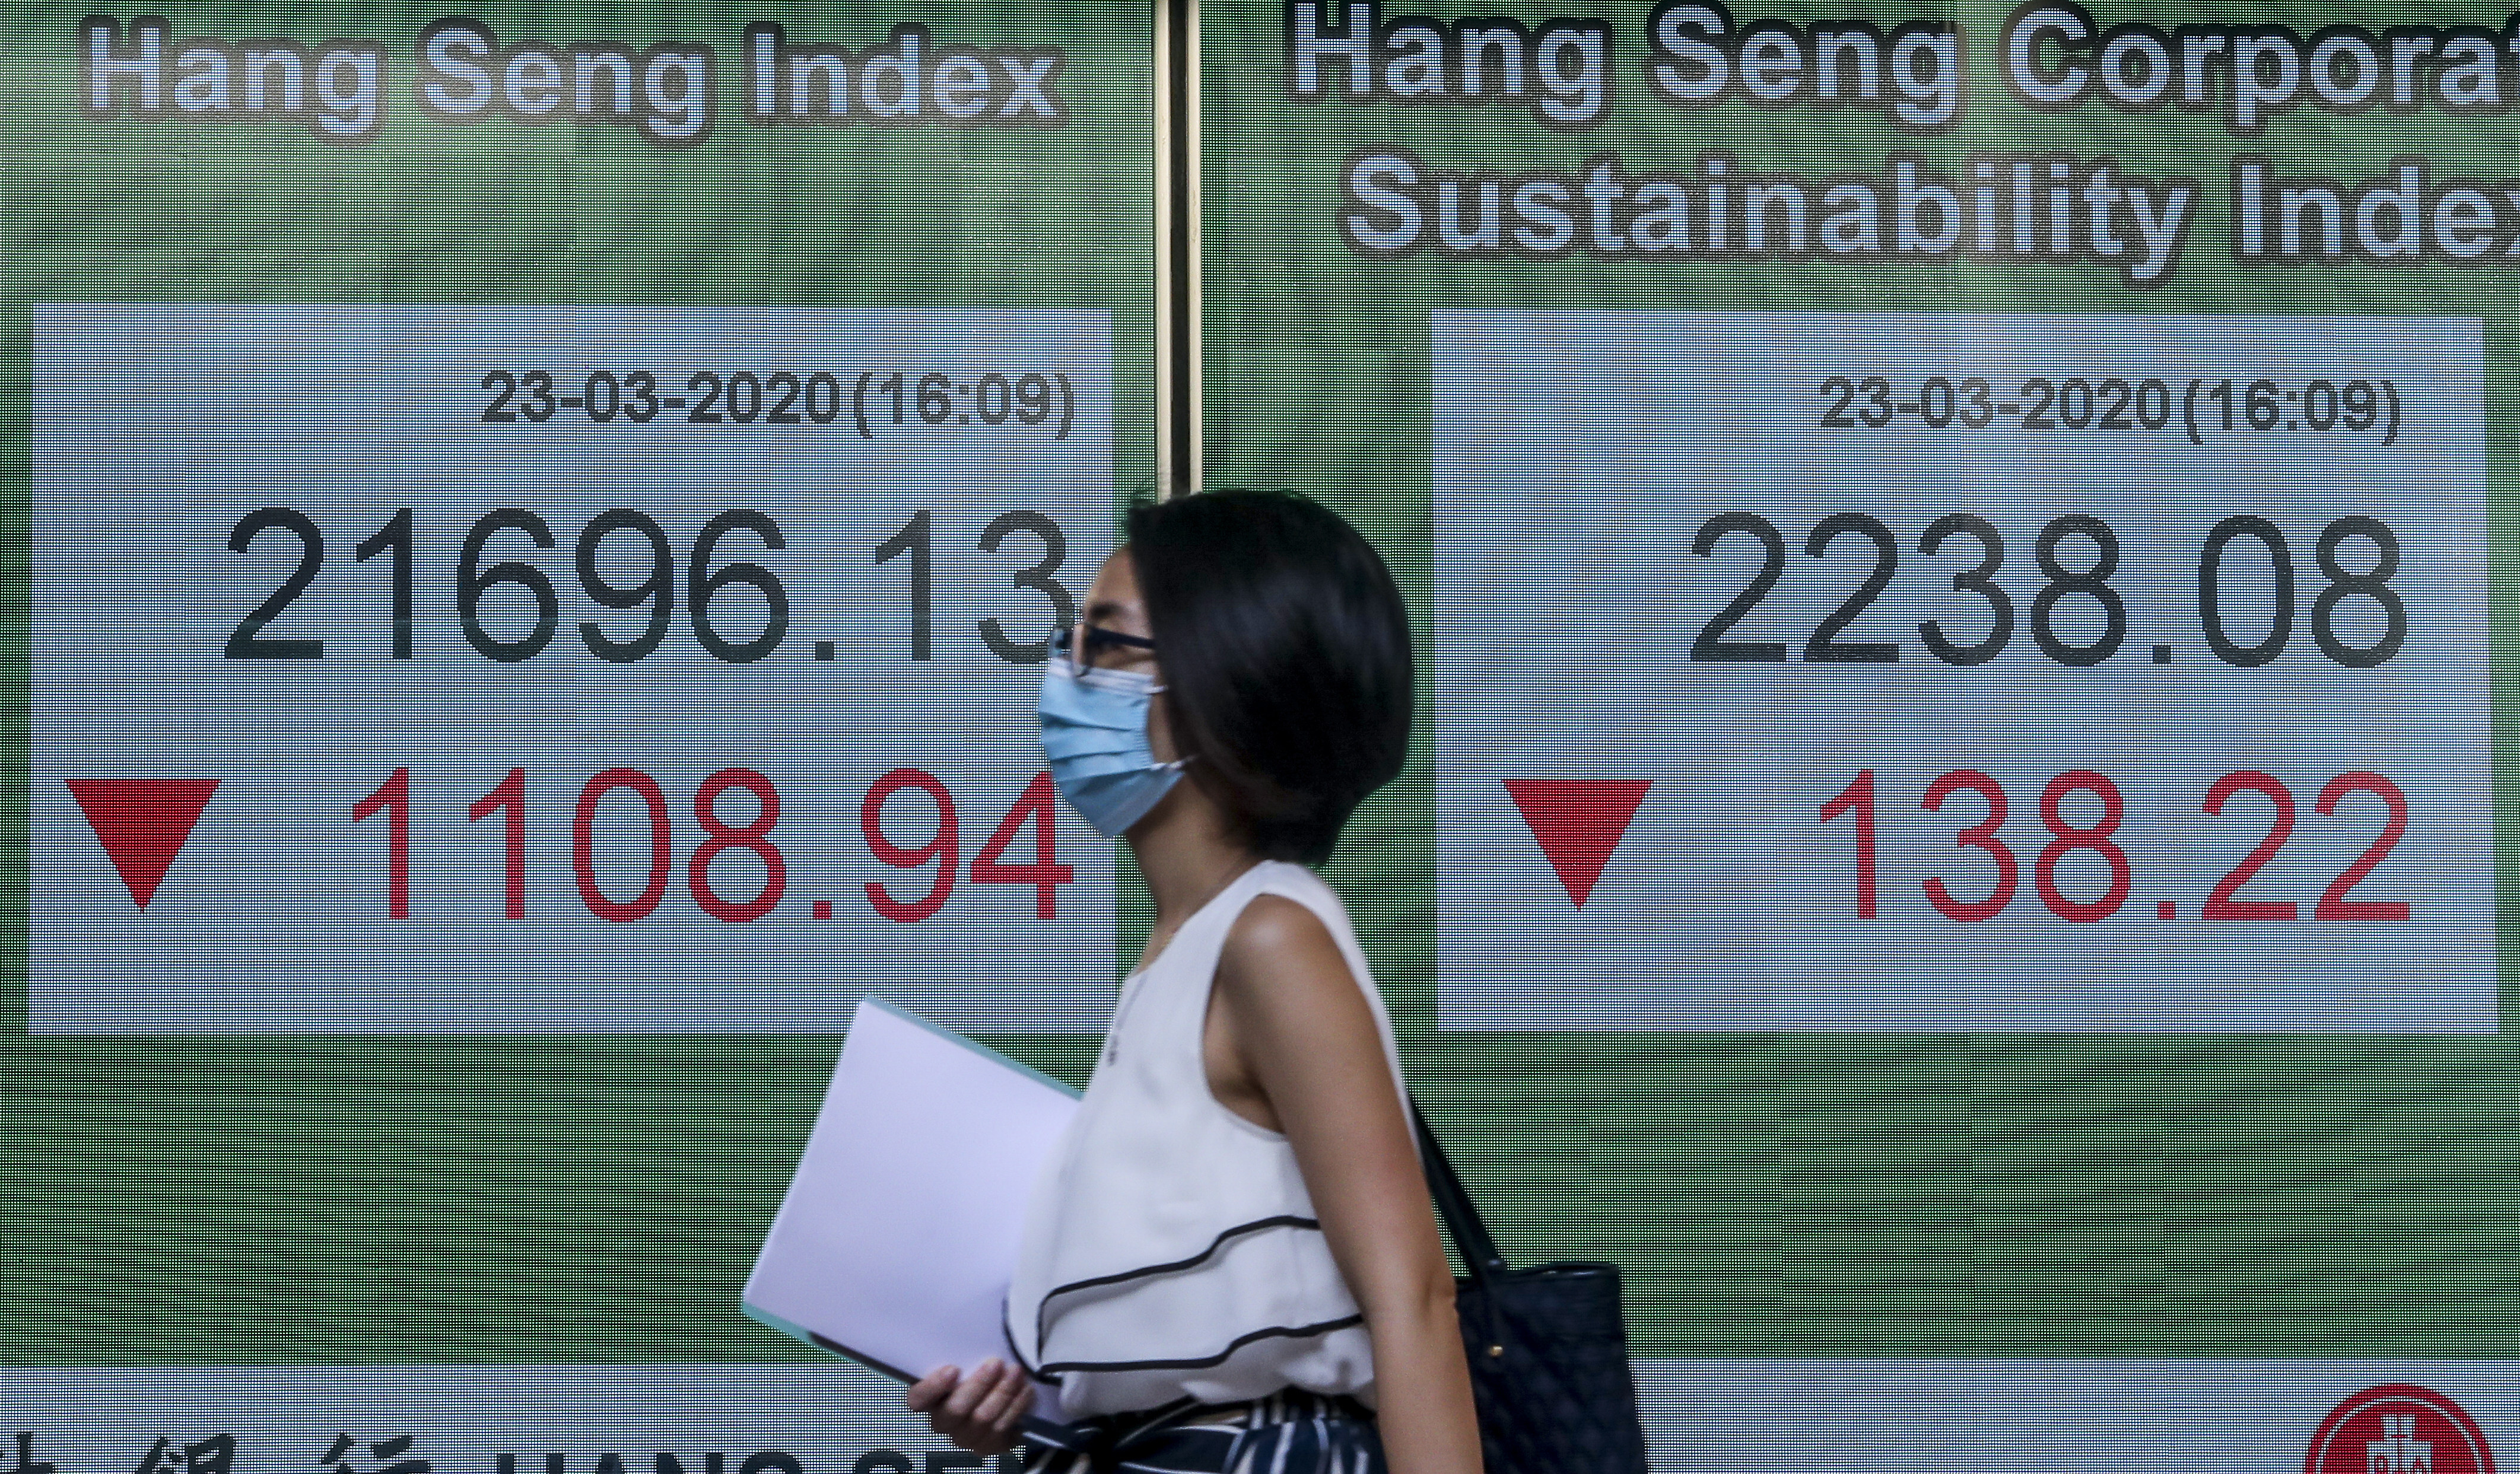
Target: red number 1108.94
{"type": "Point", "coordinates": [1035, 808]}
{"type": "Point", "coordinates": [2098, 838]}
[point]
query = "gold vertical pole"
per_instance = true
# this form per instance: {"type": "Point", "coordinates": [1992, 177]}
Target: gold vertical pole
{"type": "Point", "coordinates": [1195, 356]}
{"type": "Point", "coordinates": [1179, 452]}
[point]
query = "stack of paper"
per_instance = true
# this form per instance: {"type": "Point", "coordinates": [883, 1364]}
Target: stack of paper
{"type": "Point", "coordinates": [897, 1238]}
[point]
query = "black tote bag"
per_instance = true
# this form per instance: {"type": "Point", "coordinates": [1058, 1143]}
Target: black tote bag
{"type": "Point", "coordinates": [1548, 1347]}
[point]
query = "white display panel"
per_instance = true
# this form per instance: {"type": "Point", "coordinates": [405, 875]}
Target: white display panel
{"type": "Point", "coordinates": [939, 486]}
{"type": "Point", "coordinates": [1734, 770]}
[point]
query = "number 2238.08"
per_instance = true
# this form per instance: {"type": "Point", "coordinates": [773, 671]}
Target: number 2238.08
{"type": "Point", "coordinates": [2096, 541]}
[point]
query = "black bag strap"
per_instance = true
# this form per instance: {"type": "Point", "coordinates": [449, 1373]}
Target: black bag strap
{"type": "Point", "coordinates": [1453, 1203]}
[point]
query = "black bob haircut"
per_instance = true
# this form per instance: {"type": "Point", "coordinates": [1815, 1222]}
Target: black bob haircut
{"type": "Point", "coordinates": [1285, 649]}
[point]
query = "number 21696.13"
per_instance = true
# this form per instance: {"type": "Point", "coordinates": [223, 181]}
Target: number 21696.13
{"type": "Point", "coordinates": [486, 592]}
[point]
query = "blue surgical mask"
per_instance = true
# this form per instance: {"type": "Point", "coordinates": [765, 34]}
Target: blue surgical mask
{"type": "Point", "coordinates": [1093, 731]}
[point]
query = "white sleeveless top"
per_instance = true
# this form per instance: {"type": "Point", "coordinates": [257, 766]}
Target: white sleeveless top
{"type": "Point", "coordinates": [1170, 1247]}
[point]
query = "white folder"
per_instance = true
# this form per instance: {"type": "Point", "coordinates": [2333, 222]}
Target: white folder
{"type": "Point", "coordinates": [897, 1238]}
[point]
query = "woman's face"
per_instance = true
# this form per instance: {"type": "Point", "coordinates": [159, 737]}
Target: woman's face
{"type": "Point", "coordinates": [1113, 603]}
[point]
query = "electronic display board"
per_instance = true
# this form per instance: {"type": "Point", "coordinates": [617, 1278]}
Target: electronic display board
{"type": "Point", "coordinates": [533, 533]}
{"type": "Point", "coordinates": [1960, 822]}
{"type": "Point", "coordinates": [1964, 555]}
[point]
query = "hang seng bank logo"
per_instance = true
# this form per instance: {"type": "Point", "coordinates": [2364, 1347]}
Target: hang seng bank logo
{"type": "Point", "coordinates": [2398, 1428]}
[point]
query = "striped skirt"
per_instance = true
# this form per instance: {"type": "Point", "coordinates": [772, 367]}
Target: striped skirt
{"type": "Point", "coordinates": [1287, 1432]}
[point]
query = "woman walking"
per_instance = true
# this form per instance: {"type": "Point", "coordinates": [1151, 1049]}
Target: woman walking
{"type": "Point", "coordinates": [1231, 1263]}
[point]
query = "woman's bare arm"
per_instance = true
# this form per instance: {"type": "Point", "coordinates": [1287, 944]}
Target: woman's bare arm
{"type": "Point", "coordinates": [1299, 1024]}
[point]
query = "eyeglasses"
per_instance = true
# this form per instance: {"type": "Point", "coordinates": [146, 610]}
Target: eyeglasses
{"type": "Point", "coordinates": [1097, 643]}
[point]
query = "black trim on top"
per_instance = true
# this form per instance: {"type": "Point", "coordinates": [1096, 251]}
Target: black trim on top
{"type": "Point", "coordinates": [1040, 1312]}
{"type": "Point", "coordinates": [1231, 1347]}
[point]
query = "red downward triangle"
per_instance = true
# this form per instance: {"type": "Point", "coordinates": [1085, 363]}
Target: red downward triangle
{"type": "Point", "coordinates": [142, 823]}
{"type": "Point", "coordinates": [1578, 821]}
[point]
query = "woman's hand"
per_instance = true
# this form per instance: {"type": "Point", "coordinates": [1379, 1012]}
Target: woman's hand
{"type": "Point", "coordinates": [978, 1412]}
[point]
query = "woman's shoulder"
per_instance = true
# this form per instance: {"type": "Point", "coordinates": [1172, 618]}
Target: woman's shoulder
{"type": "Point", "coordinates": [1272, 925]}
{"type": "Point", "coordinates": [1285, 905]}
{"type": "Point", "coordinates": [1288, 943]}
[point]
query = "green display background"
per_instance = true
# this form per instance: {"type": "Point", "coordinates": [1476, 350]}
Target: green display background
{"type": "Point", "coordinates": [582, 1199]}
{"type": "Point", "coordinates": [557, 1198]}
{"type": "Point", "coordinates": [1806, 1195]}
